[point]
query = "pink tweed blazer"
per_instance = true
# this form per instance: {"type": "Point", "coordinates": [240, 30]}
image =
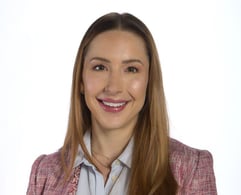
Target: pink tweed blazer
{"type": "Point", "coordinates": [192, 168]}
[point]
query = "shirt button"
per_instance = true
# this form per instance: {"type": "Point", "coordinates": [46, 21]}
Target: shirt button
{"type": "Point", "coordinates": [113, 178]}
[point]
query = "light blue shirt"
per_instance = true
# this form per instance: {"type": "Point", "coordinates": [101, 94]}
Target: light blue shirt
{"type": "Point", "coordinates": [91, 181]}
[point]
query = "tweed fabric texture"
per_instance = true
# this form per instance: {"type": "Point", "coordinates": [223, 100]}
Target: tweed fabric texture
{"type": "Point", "coordinates": [192, 168]}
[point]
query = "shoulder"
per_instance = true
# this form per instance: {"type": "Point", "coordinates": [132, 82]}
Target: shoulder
{"type": "Point", "coordinates": [192, 168]}
{"type": "Point", "coordinates": [48, 163]}
{"type": "Point", "coordinates": [180, 151]}
{"type": "Point", "coordinates": [46, 170]}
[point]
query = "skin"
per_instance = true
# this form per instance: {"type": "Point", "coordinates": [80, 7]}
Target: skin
{"type": "Point", "coordinates": [115, 77]}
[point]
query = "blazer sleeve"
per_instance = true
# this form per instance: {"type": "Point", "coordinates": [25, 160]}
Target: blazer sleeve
{"type": "Point", "coordinates": [201, 179]}
{"type": "Point", "coordinates": [36, 183]}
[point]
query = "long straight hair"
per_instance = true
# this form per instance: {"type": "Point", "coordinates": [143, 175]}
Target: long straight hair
{"type": "Point", "coordinates": [150, 171]}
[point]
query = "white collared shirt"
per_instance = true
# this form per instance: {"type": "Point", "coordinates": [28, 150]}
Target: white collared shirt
{"type": "Point", "coordinates": [91, 181]}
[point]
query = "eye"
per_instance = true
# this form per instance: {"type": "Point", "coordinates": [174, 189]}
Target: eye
{"type": "Point", "coordinates": [132, 69]}
{"type": "Point", "coordinates": [99, 67]}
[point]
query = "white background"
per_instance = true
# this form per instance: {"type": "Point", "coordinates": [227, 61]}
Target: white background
{"type": "Point", "coordinates": [199, 43]}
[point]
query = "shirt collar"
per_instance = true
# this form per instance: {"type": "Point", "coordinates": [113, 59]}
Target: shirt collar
{"type": "Point", "coordinates": [125, 157]}
{"type": "Point", "coordinates": [80, 157]}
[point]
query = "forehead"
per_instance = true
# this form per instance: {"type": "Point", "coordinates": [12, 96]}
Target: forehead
{"type": "Point", "coordinates": [117, 42]}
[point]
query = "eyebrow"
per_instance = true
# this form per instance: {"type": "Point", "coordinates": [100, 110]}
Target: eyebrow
{"type": "Point", "coordinates": [100, 58]}
{"type": "Point", "coordinates": [132, 61]}
{"type": "Point", "coordinates": [124, 61]}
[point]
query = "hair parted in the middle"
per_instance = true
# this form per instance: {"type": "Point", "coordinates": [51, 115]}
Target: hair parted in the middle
{"type": "Point", "coordinates": [150, 171]}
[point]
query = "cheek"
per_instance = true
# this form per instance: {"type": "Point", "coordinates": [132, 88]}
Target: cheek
{"type": "Point", "coordinates": [91, 83]}
{"type": "Point", "coordinates": [138, 88]}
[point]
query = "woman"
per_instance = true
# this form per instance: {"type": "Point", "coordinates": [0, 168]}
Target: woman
{"type": "Point", "coordinates": [117, 140]}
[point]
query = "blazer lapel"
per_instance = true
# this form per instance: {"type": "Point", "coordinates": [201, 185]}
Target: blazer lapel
{"type": "Point", "coordinates": [72, 187]}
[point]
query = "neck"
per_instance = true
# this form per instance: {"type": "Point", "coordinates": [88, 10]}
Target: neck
{"type": "Point", "coordinates": [109, 144]}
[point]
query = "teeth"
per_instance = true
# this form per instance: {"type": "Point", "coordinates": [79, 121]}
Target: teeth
{"type": "Point", "coordinates": [111, 104]}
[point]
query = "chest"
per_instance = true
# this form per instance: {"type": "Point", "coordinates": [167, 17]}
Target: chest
{"type": "Point", "coordinates": [92, 182]}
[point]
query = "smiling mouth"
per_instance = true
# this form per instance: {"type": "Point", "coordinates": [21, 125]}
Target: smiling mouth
{"type": "Point", "coordinates": [111, 106]}
{"type": "Point", "coordinates": [115, 105]}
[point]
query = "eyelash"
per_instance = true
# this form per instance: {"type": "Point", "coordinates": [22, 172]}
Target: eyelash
{"type": "Point", "coordinates": [101, 67]}
{"type": "Point", "coordinates": [132, 69]}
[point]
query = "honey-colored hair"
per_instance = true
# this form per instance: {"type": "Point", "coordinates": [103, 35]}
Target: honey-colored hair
{"type": "Point", "coordinates": [150, 170]}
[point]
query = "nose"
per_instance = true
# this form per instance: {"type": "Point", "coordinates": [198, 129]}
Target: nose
{"type": "Point", "coordinates": [114, 83]}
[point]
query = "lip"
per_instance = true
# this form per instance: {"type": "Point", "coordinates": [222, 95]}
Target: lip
{"type": "Point", "coordinates": [110, 105]}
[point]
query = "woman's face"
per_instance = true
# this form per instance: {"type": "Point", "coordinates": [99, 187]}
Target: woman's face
{"type": "Point", "coordinates": [115, 77]}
